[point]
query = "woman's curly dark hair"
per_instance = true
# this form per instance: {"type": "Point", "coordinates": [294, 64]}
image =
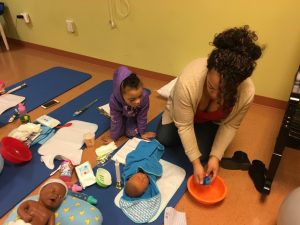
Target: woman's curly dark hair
{"type": "Point", "coordinates": [234, 59]}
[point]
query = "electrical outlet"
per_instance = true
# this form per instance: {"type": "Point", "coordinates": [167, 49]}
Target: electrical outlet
{"type": "Point", "coordinates": [70, 25]}
{"type": "Point", "coordinates": [24, 16]}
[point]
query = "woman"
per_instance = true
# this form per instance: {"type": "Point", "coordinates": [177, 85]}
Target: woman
{"type": "Point", "coordinates": [210, 99]}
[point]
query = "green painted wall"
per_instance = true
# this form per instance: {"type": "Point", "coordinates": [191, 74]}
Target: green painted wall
{"type": "Point", "coordinates": [163, 36]}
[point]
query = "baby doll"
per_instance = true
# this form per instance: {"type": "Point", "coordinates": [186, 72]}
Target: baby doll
{"type": "Point", "coordinates": [41, 212]}
{"type": "Point", "coordinates": [142, 168]}
{"type": "Point", "coordinates": [141, 197]}
{"type": "Point", "coordinates": [136, 185]}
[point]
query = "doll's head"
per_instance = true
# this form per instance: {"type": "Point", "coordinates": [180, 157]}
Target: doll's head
{"type": "Point", "coordinates": [137, 185]}
{"type": "Point", "coordinates": [52, 193]}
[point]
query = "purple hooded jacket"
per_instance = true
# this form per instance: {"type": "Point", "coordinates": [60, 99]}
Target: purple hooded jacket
{"type": "Point", "coordinates": [126, 120]}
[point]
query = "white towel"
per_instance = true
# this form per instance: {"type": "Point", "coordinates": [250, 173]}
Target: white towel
{"type": "Point", "coordinates": [66, 143]}
{"type": "Point", "coordinates": [8, 101]}
{"type": "Point", "coordinates": [173, 217]}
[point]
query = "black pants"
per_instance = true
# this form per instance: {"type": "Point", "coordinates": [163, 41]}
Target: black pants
{"type": "Point", "coordinates": [205, 134]}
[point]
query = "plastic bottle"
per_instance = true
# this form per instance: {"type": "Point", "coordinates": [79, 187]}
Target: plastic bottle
{"type": "Point", "coordinates": [89, 198]}
{"type": "Point", "coordinates": [24, 117]}
{"type": "Point", "coordinates": [66, 171]}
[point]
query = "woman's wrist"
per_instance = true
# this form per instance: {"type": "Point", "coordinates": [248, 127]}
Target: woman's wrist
{"type": "Point", "coordinates": [196, 162]}
{"type": "Point", "coordinates": [214, 157]}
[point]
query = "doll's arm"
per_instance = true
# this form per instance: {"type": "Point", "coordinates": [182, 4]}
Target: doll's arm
{"type": "Point", "coordinates": [51, 220]}
{"type": "Point", "coordinates": [23, 211]}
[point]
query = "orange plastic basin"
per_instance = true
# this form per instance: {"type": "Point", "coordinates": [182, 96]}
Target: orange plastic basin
{"type": "Point", "coordinates": [207, 194]}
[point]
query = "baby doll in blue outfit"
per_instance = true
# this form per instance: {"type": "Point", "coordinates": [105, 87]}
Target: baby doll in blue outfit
{"type": "Point", "coordinates": [137, 184]}
{"type": "Point", "coordinates": [140, 174]}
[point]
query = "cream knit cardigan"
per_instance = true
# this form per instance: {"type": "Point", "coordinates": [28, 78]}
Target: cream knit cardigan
{"type": "Point", "coordinates": [182, 106]}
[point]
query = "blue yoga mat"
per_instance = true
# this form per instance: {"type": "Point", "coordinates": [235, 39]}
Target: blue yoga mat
{"type": "Point", "coordinates": [17, 181]}
{"type": "Point", "coordinates": [44, 87]}
{"type": "Point", "coordinates": [112, 215]}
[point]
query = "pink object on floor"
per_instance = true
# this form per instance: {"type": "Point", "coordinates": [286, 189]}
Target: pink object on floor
{"type": "Point", "coordinates": [76, 188]}
{"type": "Point", "coordinates": [66, 171]}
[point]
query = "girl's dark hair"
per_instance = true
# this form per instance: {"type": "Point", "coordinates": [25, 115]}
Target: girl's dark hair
{"type": "Point", "coordinates": [132, 81]}
{"type": "Point", "coordinates": [234, 59]}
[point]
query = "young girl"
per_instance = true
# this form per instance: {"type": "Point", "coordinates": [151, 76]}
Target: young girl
{"type": "Point", "coordinates": [129, 105]}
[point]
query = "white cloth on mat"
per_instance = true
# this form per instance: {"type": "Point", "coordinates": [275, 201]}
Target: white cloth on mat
{"type": "Point", "coordinates": [8, 101]}
{"type": "Point", "coordinates": [66, 143]}
{"type": "Point", "coordinates": [173, 217]}
{"type": "Point", "coordinates": [168, 184]}
{"type": "Point", "coordinates": [18, 222]}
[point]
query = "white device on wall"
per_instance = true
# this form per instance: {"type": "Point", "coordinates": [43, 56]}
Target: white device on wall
{"type": "Point", "coordinates": [70, 26]}
{"type": "Point", "coordinates": [26, 17]}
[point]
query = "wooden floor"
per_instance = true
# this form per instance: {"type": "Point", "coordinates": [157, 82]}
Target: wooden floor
{"type": "Point", "coordinates": [243, 204]}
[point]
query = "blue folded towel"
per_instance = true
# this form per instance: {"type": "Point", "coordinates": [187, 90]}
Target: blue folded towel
{"type": "Point", "coordinates": [146, 157]}
{"type": "Point", "coordinates": [46, 134]}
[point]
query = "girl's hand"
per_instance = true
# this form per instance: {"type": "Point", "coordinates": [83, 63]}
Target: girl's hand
{"type": "Point", "coordinates": [106, 140]}
{"type": "Point", "coordinates": [148, 135]}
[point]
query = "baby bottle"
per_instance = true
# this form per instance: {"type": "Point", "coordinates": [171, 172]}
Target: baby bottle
{"type": "Point", "coordinates": [66, 170]}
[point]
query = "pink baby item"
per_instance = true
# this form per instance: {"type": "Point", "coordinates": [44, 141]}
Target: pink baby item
{"type": "Point", "coordinates": [66, 171]}
{"type": "Point", "coordinates": [2, 87]}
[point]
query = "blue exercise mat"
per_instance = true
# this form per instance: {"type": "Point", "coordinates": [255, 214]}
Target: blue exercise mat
{"type": "Point", "coordinates": [44, 87]}
{"type": "Point", "coordinates": [112, 215]}
{"type": "Point", "coordinates": [101, 92]}
{"type": "Point", "coordinates": [17, 181]}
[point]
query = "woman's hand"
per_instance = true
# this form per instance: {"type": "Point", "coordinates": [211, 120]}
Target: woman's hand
{"type": "Point", "coordinates": [148, 135]}
{"type": "Point", "coordinates": [212, 167]}
{"type": "Point", "coordinates": [199, 173]}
